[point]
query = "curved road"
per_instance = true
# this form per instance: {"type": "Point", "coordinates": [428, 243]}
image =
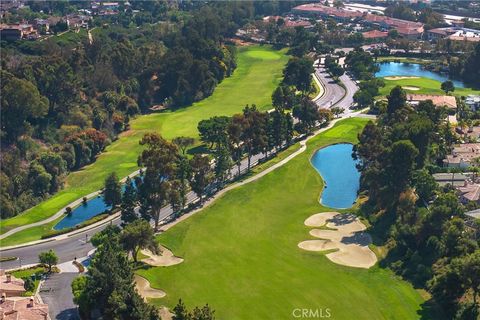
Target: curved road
{"type": "Point", "coordinates": [68, 247]}
{"type": "Point", "coordinates": [78, 245]}
{"type": "Point", "coordinates": [335, 95]}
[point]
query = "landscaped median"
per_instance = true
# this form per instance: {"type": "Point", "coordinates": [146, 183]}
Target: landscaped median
{"type": "Point", "coordinates": [258, 73]}
{"type": "Point", "coordinates": [241, 253]}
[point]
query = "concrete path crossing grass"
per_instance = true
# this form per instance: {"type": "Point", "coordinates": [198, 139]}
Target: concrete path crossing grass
{"type": "Point", "coordinates": [241, 254]}
{"type": "Point", "coordinates": [258, 73]}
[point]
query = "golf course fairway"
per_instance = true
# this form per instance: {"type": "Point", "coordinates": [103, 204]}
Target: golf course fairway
{"type": "Point", "coordinates": [241, 255]}
{"type": "Point", "coordinates": [423, 86]}
{"type": "Point", "coordinates": [258, 73]}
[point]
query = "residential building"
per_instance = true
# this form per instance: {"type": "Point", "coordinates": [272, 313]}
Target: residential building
{"type": "Point", "coordinates": [474, 213]}
{"type": "Point", "coordinates": [472, 132]}
{"type": "Point", "coordinates": [12, 32]}
{"type": "Point", "coordinates": [454, 33]}
{"type": "Point", "coordinates": [41, 24]}
{"type": "Point", "coordinates": [469, 192]}
{"type": "Point", "coordinates": [76, 21]}
{"type": "Point", "coordinates": [473, 102]}
{"type": "Point", "coordinates": [438, 100]}
{"type": "Point", "coordinates": [10, 286]}
{"type": "Point", "coordinates": [463, 155]}
{"type": "Point", "coordinates": [408, 29]}
{"type": "Point", "coordinates": [375, 35]}
{"type": "Point", "coordinates": [454, 179]}
{"type": "Point", "coordinates": [22, 308]}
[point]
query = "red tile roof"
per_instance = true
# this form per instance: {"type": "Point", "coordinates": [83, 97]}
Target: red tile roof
{"type": "Point", "coordinates": [375, 34]}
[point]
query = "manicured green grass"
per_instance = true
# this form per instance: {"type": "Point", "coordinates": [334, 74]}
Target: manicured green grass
{"type": "Point", "coordinates": [258, 73]}
{"type": "Point", "coordinates": [241, 254]}
{"type": "Point", "coordinates": [425, 85]}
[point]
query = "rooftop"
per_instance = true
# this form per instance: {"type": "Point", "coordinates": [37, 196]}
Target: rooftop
{"type": "Point", "coordinates": [463, 153]}
{"type": "Point", "coordinates": [470, 191]}
{"type": "Point", "coordinates": [10, 285]}
{"type": "Point", "coordinates": [375, 34]}
{"type": "Point", "coordinates": [438, 100]}
{"type": "Point", "coordinates": [22, 308]}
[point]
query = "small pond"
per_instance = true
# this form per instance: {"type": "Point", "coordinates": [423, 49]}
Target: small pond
{"type": "Point", "coordinates": [340, 175]}
{"type": "Point", "coordinates": [84, 212]}
{"type": "Point", "coordinates": [391, 69]}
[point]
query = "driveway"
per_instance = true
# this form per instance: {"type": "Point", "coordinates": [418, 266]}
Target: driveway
{"type": "Point", "coordinates": [56, 291]}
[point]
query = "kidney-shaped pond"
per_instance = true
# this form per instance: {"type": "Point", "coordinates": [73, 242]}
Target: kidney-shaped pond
{"type": "Point", "coordinates": [340, 175]}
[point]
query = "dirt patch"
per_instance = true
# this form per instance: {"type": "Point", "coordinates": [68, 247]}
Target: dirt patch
{"type": "Point", "coordinates": [165, 314]}
{"type": "Point", "coordinates": [165, 259]}
{"type": "Point", "coordinates": [348, 239]}
{"type": "Point", "coordinates": [145, 290]}
{"type": "Point", "coordinates": [413, 88]}
{"type": "Point", "coordinates": [240, 42]}
{"type": "Point", "coordinates": [127, 133]}
{"type": "Point", "coordinates": [400, 77]}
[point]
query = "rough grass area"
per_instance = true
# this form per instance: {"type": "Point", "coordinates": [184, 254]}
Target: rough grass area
{"type": "Point", "coordinates": [425, 86]}
{"type": "Point", "coordinates": [258, 73]}
{"type": "Point", "coordinates": [241, 254]}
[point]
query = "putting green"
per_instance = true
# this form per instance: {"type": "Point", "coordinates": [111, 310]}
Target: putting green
{"type": "Point", "coordinates": [264, 55]}
{"type": "Point", "coordinates": [241, 254]}
{"type": "Point", "coordinates": [253, 82]}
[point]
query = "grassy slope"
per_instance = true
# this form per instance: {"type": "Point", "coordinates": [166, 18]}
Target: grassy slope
{"type": "Point", "coordinates": [241, 253]}
{"type": "Point", "coordinates": [426, 85]}
{"type": "Point", "coordinates": [259, 71]}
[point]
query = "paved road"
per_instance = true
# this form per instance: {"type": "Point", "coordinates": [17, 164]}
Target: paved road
{"type": "Point", "coordinates": [333, 91]}
{"type": "Point", "coordinates": [57, 293]}
{"type": "Point", "coordinates": [59, 298]}
{"type": "Point", "coordinates": [335, 95]}
{"type": "Point", "coordinates": [352, 87]}
{"type": "Point", "coordinates": [75, 246]}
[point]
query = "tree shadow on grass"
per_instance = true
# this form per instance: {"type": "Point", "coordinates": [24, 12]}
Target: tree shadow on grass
{"type": "Point", "coordinates": [201, 149]}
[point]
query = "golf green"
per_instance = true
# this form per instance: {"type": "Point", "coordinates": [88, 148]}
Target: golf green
{"type": "Point", "coordinates": [241, 254]}
{"type": "Point", "coordinates": [258, 73]}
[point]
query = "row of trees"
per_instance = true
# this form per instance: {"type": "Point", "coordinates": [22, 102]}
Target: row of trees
{"type": "Point", "coordinates": [422, 224]}
{"type": "Point", "coordinates": [69, 100]}
{"type": "Point", "coordinates": [170, 175]}
{"type": "Point", "coordinates": [332, 66]}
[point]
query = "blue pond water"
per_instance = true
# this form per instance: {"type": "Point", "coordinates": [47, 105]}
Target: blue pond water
{"type": "Point", "coordinates": [341, 177]}
{"type": "Point", "coordinates": [389, 69]}
{"type": "Point", "coordinates": [83, 212]}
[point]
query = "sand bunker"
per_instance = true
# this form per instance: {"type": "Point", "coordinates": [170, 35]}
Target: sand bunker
{"type": "Point", "coordinates": [165, 259]}
{"type": "Point", "coordinates": [413, 88]}
{"type": "Point", "coordinates": [399, 77]}
{"type": "Point", "coordinates": [348, 239]}
{"type": "Point", "coordinates": [319, 219]}
{"type": "Point", "coordinates": [145, 290]}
